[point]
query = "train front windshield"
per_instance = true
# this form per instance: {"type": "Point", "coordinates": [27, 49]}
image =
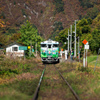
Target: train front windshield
{"type": "Point", "coordinates": [49, 45]}
{"type": "Point", "coordinates": [43, 45]}
{"type": "Point", "coordinates": [55, 45]}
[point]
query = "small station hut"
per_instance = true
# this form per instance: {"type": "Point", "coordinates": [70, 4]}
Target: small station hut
{"type": "Point", "coordinates": [13, 50]}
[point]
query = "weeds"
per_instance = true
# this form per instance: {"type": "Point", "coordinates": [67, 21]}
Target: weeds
{"type": "Point", "coordinates": [18, 90]}
{"type": "Point", "coordinates": [84, 69]}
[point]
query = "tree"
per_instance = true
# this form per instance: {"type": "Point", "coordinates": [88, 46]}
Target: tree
{"type": "Point", "coordinates": [29, 35]}
{"type": "Point", "coordinates": [83, 27]}
{"type": "Point", "coordinates": [95, 41]}
{"type": "Point", "coordinates": [14, 37]}
{"type": "Point", "coordinates": [57, 28]}
{"type": "Point", "coordinates": [1, 24]}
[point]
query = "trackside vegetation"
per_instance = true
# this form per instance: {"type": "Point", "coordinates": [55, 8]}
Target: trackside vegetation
{"type": "Point", "coordinates": [86, 29]}
{"type": "Point", "coordinates": [19, 79]}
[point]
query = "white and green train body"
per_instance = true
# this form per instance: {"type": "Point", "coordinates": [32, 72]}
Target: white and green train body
{"type": "Point", "coordinates": [50, 51]}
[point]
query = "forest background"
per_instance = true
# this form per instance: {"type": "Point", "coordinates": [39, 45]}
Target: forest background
{"type": "Point", "coordinates": [26, 20]}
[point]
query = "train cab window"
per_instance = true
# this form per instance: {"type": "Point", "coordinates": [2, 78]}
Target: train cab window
{"type": "Point", "coordinates": [49, 46]}
{"type": "Point", "coordinates": [43, 45]}
{"type": "Point", "coordinates": [55, 45]}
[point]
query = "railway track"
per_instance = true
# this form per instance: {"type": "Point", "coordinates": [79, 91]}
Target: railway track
{"type": "Point", "coordinates": [55, 69]}
{"type": "Point", "coordinates": [37, 89]}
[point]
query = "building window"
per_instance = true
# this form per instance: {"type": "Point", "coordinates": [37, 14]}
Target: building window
{"type": "Point", "coordinates": [14, 48]}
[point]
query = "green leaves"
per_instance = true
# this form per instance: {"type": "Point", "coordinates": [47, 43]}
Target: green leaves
{"type": "Point", "coordinates": [86, 29]}
{"type": "Point", "coordinates": [29, 35]}
{"type": "Point", "coordinates": [95, 41]}
{"type": "Point", "coordinates": [83, 27]}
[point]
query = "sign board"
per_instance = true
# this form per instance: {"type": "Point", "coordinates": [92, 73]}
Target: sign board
{"type": "Point", "coordinates": [86, 46]}
{"type": "Point", "coordinates": [84, 41]}
{"type": "Point", "coordinates": [22, 47]}
{"type": "Point", "coordinates": [29, 47]}
{"type": "Point", "coordinates": [62, 51]}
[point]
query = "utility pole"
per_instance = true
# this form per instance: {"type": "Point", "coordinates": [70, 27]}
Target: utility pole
{"type": "Point", "coordinates": [75, 41]}
{"type": "Point", "coordinates": [30, 47]}
{"type": "Point", "coordinates": [96, 59]}
{"type": "Point", "coordinates": [36, 49]}
{"type": "Point", "coordinates": [70, 37]}
{"type": "Point", "coordinates": [68, 40]}
{"type": "Point", "coordinates": [86, 54]}
{"type": "Point", "coordinates": [84, 57]}
{"type": "Point", "coordinates": [78, 49]}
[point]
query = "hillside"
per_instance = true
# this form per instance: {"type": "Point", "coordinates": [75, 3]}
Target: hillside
{"type": "Point", "coordinates": [45, 13]}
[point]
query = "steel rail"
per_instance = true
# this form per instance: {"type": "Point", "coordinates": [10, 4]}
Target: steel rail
{"type": "Point", "coordinates": [38, 86]}
{"type": "Point", "coordinates": [75, 95]}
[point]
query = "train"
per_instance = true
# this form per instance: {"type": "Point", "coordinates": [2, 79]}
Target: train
{"type": "Point", "coordinates": [50, 51]}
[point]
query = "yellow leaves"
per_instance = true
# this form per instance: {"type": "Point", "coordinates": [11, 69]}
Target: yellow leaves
{"type": "Point", "coordinates": [2, 23]}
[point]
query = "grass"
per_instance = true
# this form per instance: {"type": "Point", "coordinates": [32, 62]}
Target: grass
{"type": "Point", "coordinates": [92, 60]}
{"type": "Point", "coordinates": [18, 78]}
{"type": "Point", "coordinates": [18, 90]}
{"type": "Point", "coordinates": [84, 81]}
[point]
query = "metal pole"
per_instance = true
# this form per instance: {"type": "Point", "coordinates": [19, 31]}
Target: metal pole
{"type": "Point", "coordinates": [78, 47]}
{"type": "Point", "coordinates": [84, 57]}
{"type": "Point", "coordinates": [68, 40]}
{"type": "Point", "coordinates": [36, 49]}
{"type": "Point", "coordinates": [75, 41]}
{"type": "Point", "coordinates": [96, 59]}
{"type": "Point", "coordinates": [71, 37]}
{"type": "Point", "coordinates": [30, 48]}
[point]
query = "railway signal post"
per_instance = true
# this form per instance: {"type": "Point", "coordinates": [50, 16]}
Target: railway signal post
{"type": "Point", "coordinates": [66, 53]}
{"type": "Point", "coordinates": [86, 46]}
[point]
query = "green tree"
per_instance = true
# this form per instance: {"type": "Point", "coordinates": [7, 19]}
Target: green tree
{"type": "Point", "coordinates": [29, 35]}
{"type": "Point", "coordinates": [92, 12]}
{"type": "Point", "coordinates": [95, 41]}
{"type": "Point", "coordinates": [57, 28]}
{"type": "Point", "coordinates": [83, 27]}
{"type": "Point", "coordinates": [62, 38]}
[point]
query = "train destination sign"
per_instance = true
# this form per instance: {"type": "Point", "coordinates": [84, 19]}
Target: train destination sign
{"type": "Point", "coordinates": [22, 47]}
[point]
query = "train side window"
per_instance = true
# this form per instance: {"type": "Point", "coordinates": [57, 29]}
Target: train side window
{"type": "Point", "coordinates": [43, 45]}
{"type": "Point", "coordinates": [49, 46]}
{"type": "Point", "coordinates": [55, 45]}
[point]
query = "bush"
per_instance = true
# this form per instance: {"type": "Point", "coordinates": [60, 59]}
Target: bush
{"type": "Point", "coordinates": [84, 69]}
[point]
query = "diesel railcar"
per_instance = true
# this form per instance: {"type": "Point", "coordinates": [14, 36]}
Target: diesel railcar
{"type": "Point", "coordinates": [50, 51]}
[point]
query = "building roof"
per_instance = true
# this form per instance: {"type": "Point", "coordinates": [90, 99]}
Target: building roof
{"type": "Point", "coordinates": [14, 43]}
